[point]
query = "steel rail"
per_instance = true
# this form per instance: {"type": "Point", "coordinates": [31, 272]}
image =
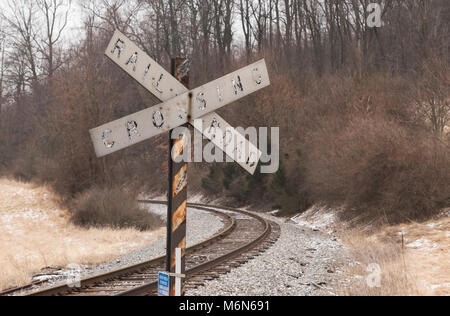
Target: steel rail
{"type": "Point", "coordinates": [61, 289]}
{"type": "Point", "coordinates": [22, 288]}
{"type": "Point", "coordinates": [152, 287]}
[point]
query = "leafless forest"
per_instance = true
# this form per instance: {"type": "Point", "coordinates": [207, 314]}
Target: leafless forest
{"type": "Point", "coordinates": [363, 110]}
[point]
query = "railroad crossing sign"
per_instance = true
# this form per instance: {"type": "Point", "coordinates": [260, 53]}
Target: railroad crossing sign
{"type": "Point", "coordinates": [180, 106]}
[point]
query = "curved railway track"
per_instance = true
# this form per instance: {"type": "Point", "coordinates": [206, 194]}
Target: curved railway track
{"type": "Point", "coordinates": [244, 236]}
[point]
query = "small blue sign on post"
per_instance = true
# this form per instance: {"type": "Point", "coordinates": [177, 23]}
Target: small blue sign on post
{"type": "Point", "coordinates": [163, 284]}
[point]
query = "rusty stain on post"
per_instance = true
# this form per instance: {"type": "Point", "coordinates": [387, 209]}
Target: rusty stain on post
{"type": "Point", "coordinates": [179, 216]}
{"type": "Point", "coordinates": [179, 181]}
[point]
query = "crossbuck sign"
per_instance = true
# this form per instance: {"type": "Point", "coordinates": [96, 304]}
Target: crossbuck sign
{"type": "Point", "coordinates": [180, 106]}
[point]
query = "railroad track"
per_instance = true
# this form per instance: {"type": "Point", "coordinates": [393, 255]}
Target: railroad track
{"type": "Point", "coordinates": [244, 236]}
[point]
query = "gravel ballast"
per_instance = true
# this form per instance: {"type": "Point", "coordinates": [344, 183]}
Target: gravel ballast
{"type": "Point", "coordinates": [201, 225]}
{"type": "Point", "coordinates": [303, 262]}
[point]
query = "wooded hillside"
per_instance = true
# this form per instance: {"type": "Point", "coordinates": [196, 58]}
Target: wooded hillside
{"type": "Point", "coordinates": [363, 110]}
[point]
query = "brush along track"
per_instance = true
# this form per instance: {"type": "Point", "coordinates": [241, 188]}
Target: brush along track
{"type": "Point", "coordinates": [244, 236]}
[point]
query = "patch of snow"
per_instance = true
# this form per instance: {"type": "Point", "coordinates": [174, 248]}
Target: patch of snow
{"type": "Point", "coordinates": [317, 218]}
{"type": "Point", "coordinates": [25, 214]}
{"type": "Point", "coordinates": [438, 286]}
{"type": "Point", "coordinates": [423, 243]}
{"type": "Point", "coordinates": [45, 277]}
{"type": "Point", "coordinates": [418, 243]}
{"type": "Point", "coordinates": [445, 212]}
{"type": "Point", "coordinates": [354, 264]}
{"type": "Point", "coordinates": [274, 213]}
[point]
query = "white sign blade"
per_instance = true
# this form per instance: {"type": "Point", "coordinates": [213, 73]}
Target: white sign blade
{"type": "Point", "coordinates": [163, 85]}
{"type": "Point", "coordinates": [230, 141]}
{"type": "Point", "coordinates": [153, 121]}
{"type": "Point", "coordinates": [143, 68]}
{"type": "Point", "coordinates": [228, 89]}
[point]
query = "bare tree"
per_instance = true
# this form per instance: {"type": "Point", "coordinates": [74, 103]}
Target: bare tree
{"type": "Point", "coordinates": [314, 24]}
{"type": "Point", "coordinates": [259, 12]}
{"type": "Point", "coordinates": [288, 28]}
{"type": "Point", "coordinates": [193, 25]}
{"type": "Point", "coordinates": [205, 12]}
{"type": "Point", "coordinates": [2, 63]}
{"type": "Point", "coordinates": [21, 19]}
{"type": "Point", "coordinates": [278, 35]}
{"type": "Point", "coordinates": [223, 30]}
{"type": "Point", "coordinates": [433, 96]}
{"type": "Point", "coordinates": [245, 13]}
{"type": "Point", "coordinates": [55, 14]}
{"type": "Point", "coordinates": [174, 7]}
{"type": "Point", "coordinates": [228, 26]}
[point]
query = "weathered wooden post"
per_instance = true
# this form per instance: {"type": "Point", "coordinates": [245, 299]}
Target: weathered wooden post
{"type": "Point", "coordinates": [177, 194]}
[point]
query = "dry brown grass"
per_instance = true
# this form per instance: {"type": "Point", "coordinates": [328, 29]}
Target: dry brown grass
{"type": "Point", "coordinates": [35, 233]}
{"type": "Point", "coordinates": [396, 279]}
{"type": "Point", "coordinates": [413, 259]}
{"type": "Point", "coordinates": [428, 253]}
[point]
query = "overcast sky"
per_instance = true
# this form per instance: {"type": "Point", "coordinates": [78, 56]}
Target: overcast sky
{"type": "Point", "coordinates": [74, 25]}
{"type": "Point", "coordinates": [75, 30]}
